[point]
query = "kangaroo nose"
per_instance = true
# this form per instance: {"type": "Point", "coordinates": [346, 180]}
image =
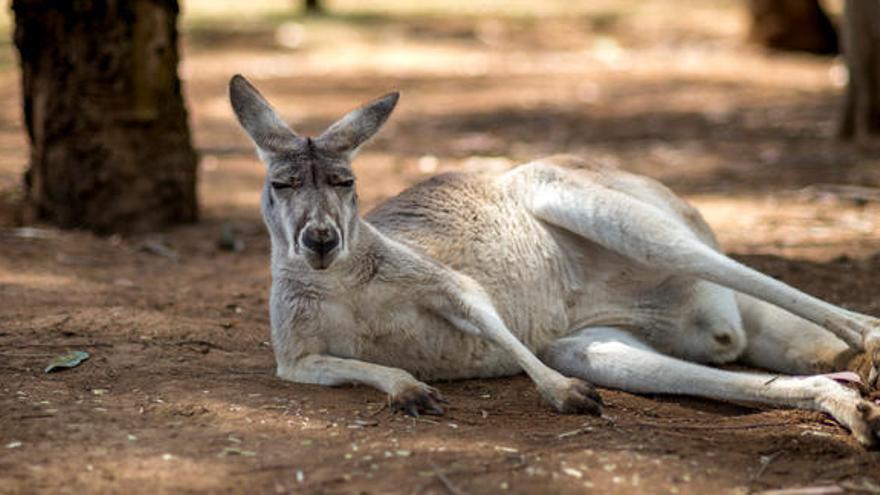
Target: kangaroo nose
{"type": "Point", "coordinates": [321, 240]}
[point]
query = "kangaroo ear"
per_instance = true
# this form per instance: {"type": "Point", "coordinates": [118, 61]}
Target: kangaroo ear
{"type": "Point", "coordinates": [353, 130]}
{"type": "Point", "coordinates": [258, 118]}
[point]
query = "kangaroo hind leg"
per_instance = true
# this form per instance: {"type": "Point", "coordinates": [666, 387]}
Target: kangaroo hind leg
{"type": "Point", "coordinates": [657, 240]}
{"type": "Point", "coordinates": [612, 358]}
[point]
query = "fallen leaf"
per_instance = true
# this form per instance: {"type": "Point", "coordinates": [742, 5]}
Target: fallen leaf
{"type": "Point", "coordinates": [71, 359]}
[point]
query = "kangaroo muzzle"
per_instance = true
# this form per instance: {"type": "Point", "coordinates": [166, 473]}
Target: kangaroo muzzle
{"type": "Point", "coordinates": [322, 243]}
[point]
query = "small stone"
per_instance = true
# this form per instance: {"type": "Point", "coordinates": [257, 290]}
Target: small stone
{"type": "Point", "coordinates": [574, 473]}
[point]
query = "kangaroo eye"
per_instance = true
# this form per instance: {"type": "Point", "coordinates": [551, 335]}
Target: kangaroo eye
{"type": "Point", "coordinates": [281, 185]}
{"type": "Point", "coordinates": [344, 183]}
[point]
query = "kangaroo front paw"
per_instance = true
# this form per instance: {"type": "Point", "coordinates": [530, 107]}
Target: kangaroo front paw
{"type": "Point", "coordinates": [573, 396]}
{"type": "Point", "coordinates": [417, 399]}
{"type": "Point", "coordinates": [866, 427]}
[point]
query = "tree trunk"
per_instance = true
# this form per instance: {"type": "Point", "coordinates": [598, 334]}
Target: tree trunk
{"type": "Point", "coordinates": [110, 144]}
{"type": "Point", "coordinates": [797, 25]}
{"type": "Point", "coordinates": [861, 43]}
{"type": "Point", "coordinates": [314, 7]}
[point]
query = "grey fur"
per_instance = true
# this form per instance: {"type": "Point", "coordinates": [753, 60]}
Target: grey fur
{"type": "Point", "coordinates": [353, 130]}
{"type": "Point", "coordinates": [473, 275]}
{"type": "Point", "coordinates": [259, 119]}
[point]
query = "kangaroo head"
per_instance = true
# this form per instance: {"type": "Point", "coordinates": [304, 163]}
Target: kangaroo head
{"type": "Point", "coordinates": [309, 200]}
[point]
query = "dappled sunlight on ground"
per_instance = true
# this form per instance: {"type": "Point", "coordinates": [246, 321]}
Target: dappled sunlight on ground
{"type": "Point", "coordinates": [792, 224]}
{"type": "Point", "coordinates": [180, 393]}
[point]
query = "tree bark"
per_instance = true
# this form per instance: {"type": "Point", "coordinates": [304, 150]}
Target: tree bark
{"type": "Point", "coordinates": [861, 42]}
{"type": "Point", "coordinates": [314, 7]}
{"type": "Point", "coordinates": [796, 25]}
{"type": "Point", "coordinates": [110, 143]}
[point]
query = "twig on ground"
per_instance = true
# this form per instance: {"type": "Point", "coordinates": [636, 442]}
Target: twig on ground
{"type": "Point", "coordinates": [446, 482]}
{"type": "Point", "coordinates": [579, 431]}
{"type": "Point", "coordinates": [377, 411]}
{"type": "Point", "coordinates": [765, 461]}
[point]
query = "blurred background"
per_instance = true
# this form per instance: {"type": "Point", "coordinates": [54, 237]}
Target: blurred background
{"type": "Point", "coordinates": [736, 104]}
{"type": "Point", "coordinates": [130, 228]}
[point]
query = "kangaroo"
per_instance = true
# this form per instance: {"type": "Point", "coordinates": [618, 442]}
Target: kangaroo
{"type": "Point", "coordinates": [572, 272]}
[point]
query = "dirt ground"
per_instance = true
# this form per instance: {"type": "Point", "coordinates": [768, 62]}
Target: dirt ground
{"type": "Point", "coordinates": [179, 393]}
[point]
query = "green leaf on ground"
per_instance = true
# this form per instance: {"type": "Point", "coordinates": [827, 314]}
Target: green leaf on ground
{"type": "Point", "coordinates": [70, 359]}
